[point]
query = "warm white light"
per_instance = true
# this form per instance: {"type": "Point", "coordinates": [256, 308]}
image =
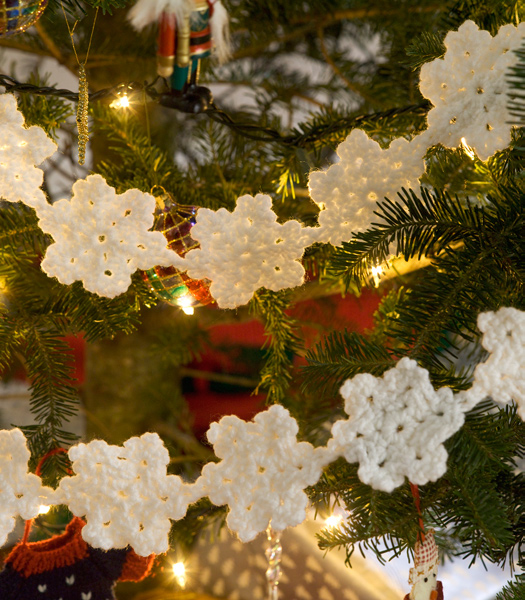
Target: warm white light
{"type": "Point", "coordinates": [185, 302]}
{"type": "Point", "coordinates": [376, 274]}
{"type": "Point", "coordinates": [121, 102]}
{"type": "Point", "coordinates": [467, 149]}
{"type": "Point", "coordinates": [333, 521]}
{"type": "Point", "coordinates": [179, 570]}
{"type": "Point", "coordinates": [43, 510]}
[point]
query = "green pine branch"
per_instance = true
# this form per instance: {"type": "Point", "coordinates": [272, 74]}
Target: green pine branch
{"type": "Point", "coordinates": [282, 342]}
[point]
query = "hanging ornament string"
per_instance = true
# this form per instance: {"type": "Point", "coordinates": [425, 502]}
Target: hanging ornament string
{"type": "Point", "coordinates": [415, 493]}
{"type": "Point", "coordinates": [38, 472]}
{"type": "Point", "coordinates": [273, 554]}
{"type": "Point", "coordinates": [83, 91]}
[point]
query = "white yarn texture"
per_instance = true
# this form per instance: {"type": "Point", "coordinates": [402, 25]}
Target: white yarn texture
{"type": "Point", "coordinates": [21, 493]}
{"type": "Point", "coordinates": [244, 250]}
{"type": "Point", "coordinates": [502, 375]}
{"type": "Point", "coordinates": [468, 88]}
{"type": "Point", "coordinates": [20, 150]}
{"type": "Point", "coordinates": [397, 426]}
{"type": "Point", "coordinates": [348, 191]}
{"type": "Point", "coordinates": [262, 473]}
{"type": "Point", "coordinates": [102, 237]}
{"type": "Point", "coordinates": [125, 494]}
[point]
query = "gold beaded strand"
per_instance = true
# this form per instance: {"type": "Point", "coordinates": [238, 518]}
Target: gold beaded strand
{"type": "Point", "coordinates": [83, 92]}
{"type": "Point", "coordinates": [82, 113]}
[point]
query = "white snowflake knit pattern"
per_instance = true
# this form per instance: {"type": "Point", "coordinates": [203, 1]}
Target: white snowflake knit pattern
{"type": "Point", "coordinates": [501, 376]}
{"type": "Point", "coordinates": [262, 473]}
{"type": "Point", "coordinates": [348, 191]}
{"type": "Point", "coordinates": [102, 237]}
{"type": "Point", "coordinates": [125, 494]}
{"type": "Point", "coordinates": [245, 250]}
{"type": "Point", "coordinates": [20, 150]}
{"type": "Point", "coordinates": [397, 426]}
{"type": "Point", "coordinates": [468, 88]}
{"type": "Point", "coordinates": [21, 493]}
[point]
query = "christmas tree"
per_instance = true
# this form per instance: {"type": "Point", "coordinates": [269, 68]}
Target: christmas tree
{"type": "Point", "coordinates": [314, 220]}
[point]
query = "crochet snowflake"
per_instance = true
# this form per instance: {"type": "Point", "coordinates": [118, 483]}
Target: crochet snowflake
{"type": "Point", "coordinates": [125, 494]}
{"type": "Point", "coordinates": [20, 150]}
{"type": "Point", "coordinates": [21, 493]}
{"type": "Point", "coordinates": [245, 250]}
{"type": "Point", "coordinates": [348, 191]}
{"type": "Point", "coordinates": [397, 426]}
{"type": "Point", "coordinates": [468, 88]}
{"type": "Point", "coordinates": [102, 237]}
{"type": "Point", "coordinates": [501, 376]}
{"type": "Point", "coordinates": [262, 473]}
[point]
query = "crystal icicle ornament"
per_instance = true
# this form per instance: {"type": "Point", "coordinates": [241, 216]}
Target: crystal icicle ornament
{"type": "Point", "coordinates": [273, 554]}
{"type": "Point", "coordinates": [175, 221]}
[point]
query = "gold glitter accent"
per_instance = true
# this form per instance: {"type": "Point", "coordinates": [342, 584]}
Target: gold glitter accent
{"type": "Point", "coordinates": [83, 91]}
{"type": "Point", "coordinates": [82, 114]}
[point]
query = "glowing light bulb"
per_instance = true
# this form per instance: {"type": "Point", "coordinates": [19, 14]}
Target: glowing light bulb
{"type": "Point", "coordinates": [121, 102]}
{"type": "Point", "coordinates": [185, 302]}
{"type": "Point", "coordinates": [467, 149]}
{"type": "Point", "coordinates": [43, 510]}
{"type": "Point", "coordinates": [179, 570]}
{"type": "Point", "coordinates": [376, 274]}
{"type": "Point", "coordinates": [333, 521]}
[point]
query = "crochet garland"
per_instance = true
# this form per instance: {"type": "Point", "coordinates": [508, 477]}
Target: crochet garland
{"type": "Point", "coordinates": [248, 249]}
{"type": "Point", "coordinates": [396, 428]}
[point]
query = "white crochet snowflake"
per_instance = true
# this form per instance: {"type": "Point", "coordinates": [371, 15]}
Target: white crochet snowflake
{"type": "Point", "coordinates": [102, 237]}
{"type": "Point", "coordinates": [125, 494]}
{"type": "Point", "coordinates": [245, 250]}
{"type": "Point", "coordinates": [468, 88]}
{"type": "Point", "coordinates": [348, 191]}
{"type": "Point", "coordinates": [502, 375]}
{"type": "Point", "coordinates": [397, 426]}
{"type": "Point", "coordinates": [21, 493]}
{"type": "Point", "coordinates": [262, 473]}
{"type": "Point", "coordinates": [20, 150]}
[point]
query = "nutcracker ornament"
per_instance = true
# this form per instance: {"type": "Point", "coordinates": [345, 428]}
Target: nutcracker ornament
{"type": "Point", "coordinates": [188, 30]}
{"type": "Point", "coordinates": [423, 575]}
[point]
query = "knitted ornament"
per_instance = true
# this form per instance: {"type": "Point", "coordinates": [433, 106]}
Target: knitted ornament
{"type": "Point", "coordinates": [18, 15]}
{"type": "Point", "coordinates": [262, 473]}
{"type": "Point", "coordinates": [348, 191]}
{"type": "Point", "coordinates": [101, 237]}
{"type": "Point", "coordinates": [175, 222]}
{"type": "Point", "coordinates": [125, 494]}
{"type": "Point", "coordinates": [397, 426]}
{"type": "Point", "coordinates": [245, 250]}
{"type": "Point", "coordinates": [65, 567]}
{"type": "Point", "coordinates": [21, 149]}
{"type": "Point", "coordinates": [468, 88]}
{"type": "Point", "coordinates": [21, 493]}
{"type": "Point", "coordinates": [501, 376]}
{"type": "Point", "coordinates": [423, 575]}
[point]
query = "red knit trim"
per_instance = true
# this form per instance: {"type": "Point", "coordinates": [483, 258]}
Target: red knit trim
{"type": "Point", "coordinates": [59, 551]}
{"type": "Point", "coordinates": [136, 568]}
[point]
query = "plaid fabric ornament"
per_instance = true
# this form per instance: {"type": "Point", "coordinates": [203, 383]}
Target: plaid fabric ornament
{"type": "Point", "coordinates": [423, 575]}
